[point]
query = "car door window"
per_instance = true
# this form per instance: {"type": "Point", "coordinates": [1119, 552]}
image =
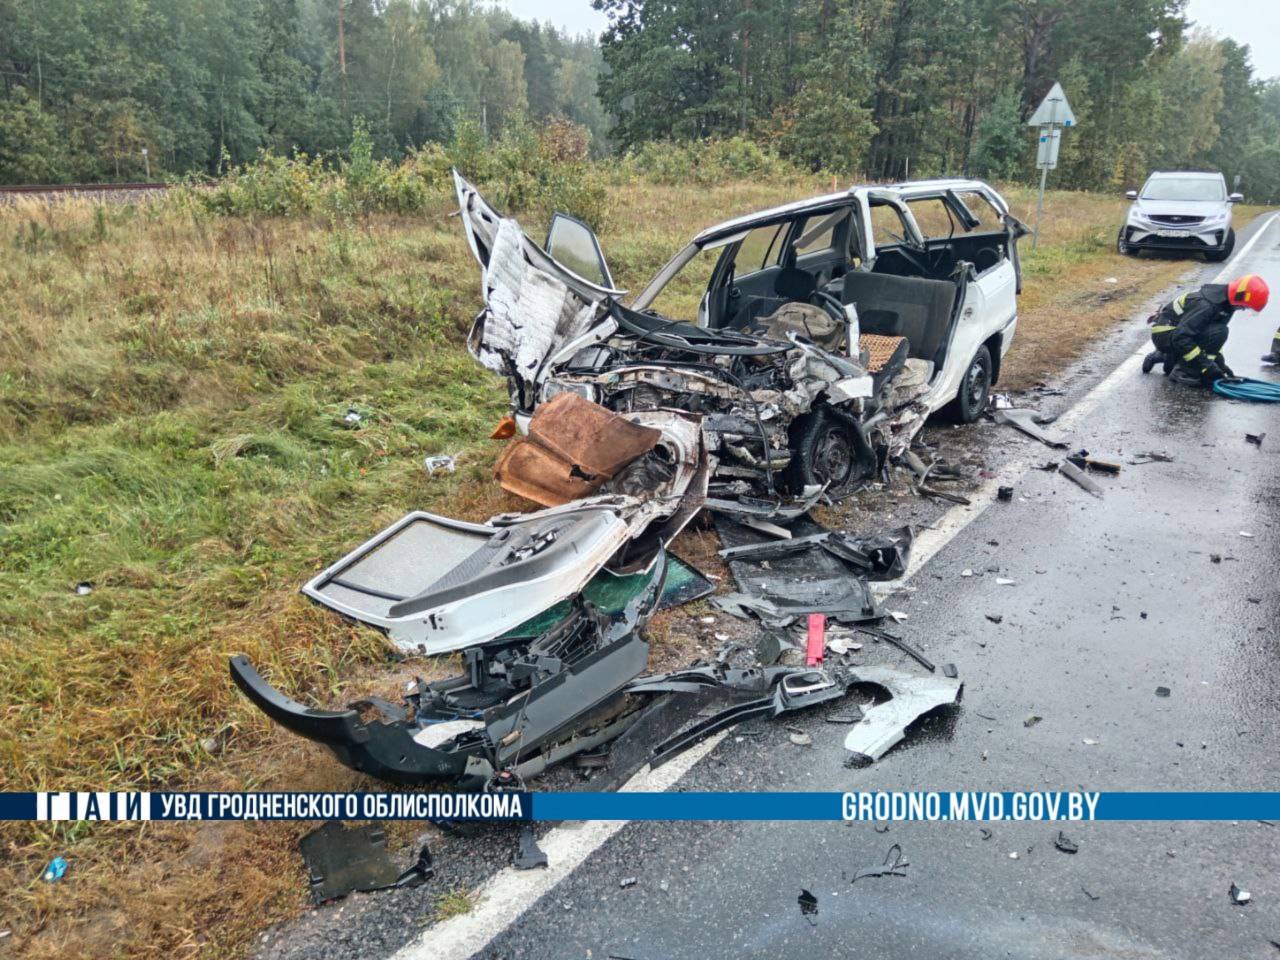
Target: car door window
{"type": "Point", "coordinates": [988, 217]}
{"type": "Point", "coordinates": [887, 225]}
{"type": "Point", "coordinates": [933, 218]}
{"type": "Point", "coordinates": [759, 249]}
{"type": "Point", "coordinates": [573, 244]}
{"type": "Point", "coordinates": [817, 234]}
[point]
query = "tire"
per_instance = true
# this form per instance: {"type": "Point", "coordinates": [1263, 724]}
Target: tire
{"type": "Point", "coordinates": [1217, 256]}
{"type": "Point", "coordinates": [1122, 245]}
{"type": "Point", "coordinates": [825, 450]}
{"type": "Point", "coordinates": [975, 389]}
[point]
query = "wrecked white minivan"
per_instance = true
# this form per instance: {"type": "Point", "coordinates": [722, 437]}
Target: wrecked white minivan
{"type": "Point", "coordinates": [824, 332]}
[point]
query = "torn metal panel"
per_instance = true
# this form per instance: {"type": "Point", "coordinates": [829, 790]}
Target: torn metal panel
{"type": "Point", "coordinates": [573, 447]}
{"type": "Point", "coordinates": [537, 702]}
{"type": "Point", "coordinates": [1029, 422]}
{"type": "Point", "coordinates": [910, 697]}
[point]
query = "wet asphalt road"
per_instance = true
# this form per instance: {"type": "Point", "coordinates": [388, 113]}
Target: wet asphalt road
{"type": "Point", "coordinates": [1113, 598]}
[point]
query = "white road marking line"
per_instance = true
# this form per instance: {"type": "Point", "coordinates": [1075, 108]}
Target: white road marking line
{"type": "Point", "coordinates": [510, 892]}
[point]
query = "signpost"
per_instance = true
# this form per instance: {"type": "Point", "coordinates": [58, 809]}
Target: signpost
{"type": "Point", "coordinates": [1053, 113]}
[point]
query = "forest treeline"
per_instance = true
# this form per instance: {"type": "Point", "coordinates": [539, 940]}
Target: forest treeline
{"type": "Point", "coordinates": [876, 88]}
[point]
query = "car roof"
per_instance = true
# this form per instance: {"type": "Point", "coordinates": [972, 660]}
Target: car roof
{"type": "Point", "coordinates": [905, 189]}
{"type": "Point", "coordinates": [1206, 174]}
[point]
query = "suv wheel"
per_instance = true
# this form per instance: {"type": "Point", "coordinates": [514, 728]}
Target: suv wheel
{"type": "Point", "coordinates": [1122, 243]}
{"type": "Point", "coordinates": [975, 389]}
{"type": "Point", "coordinates": [1217, 256]}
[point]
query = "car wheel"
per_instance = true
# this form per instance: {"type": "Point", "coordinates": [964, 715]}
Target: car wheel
{"type": "Point", "coordinates": [1217, 256]}
{"type": "Point", "coordinates": [1122, 244]}
{"type": "Point", "coordinates": [824, 450]}
{"type": "Point", "coordinates": [975, 389]}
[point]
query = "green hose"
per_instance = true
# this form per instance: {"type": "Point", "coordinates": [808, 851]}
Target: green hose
{"type": "Point", "coordinates": [1242, 388]}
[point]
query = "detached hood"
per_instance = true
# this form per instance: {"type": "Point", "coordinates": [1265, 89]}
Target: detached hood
{"type": "Point", "coordinates": [534, 305]}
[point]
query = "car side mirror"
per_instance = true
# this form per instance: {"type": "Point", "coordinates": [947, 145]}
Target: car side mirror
{"type": "Point", "coordinates": [1131, 194]}
{"type": "Point", "coordinates": [1236, 198]}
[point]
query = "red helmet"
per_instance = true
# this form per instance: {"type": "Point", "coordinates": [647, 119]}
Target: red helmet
{"type": "Point", "coordinates": [1249, 291]}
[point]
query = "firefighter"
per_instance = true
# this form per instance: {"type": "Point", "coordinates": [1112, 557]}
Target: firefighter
{"type": "Point", "coordinates": [1274, 355]}
{"type": "Point", "coordinates": [1189, 332]}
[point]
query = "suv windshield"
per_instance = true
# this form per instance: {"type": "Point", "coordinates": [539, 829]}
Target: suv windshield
{"type": "Point", "coordinates": [1184, 188]}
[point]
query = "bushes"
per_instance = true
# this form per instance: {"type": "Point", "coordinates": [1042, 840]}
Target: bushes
{"type": "Point", "coordinates": [522, 170]}
{"type": "Point", "coordinates": [705, 162]}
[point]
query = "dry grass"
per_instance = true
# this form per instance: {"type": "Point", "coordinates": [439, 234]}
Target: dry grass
{"type": "Point", "coordinates": [172, 392]}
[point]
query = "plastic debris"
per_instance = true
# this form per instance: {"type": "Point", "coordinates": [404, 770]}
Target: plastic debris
{"type": "Point", "coordinates": [801, 739]}
{"type": "Point", "coordinates": [995, 617]}
{"type": "Point", "coordinates": [1239, 897]}
{"type": "Point", "coordinates": [1163, 691]}
{"type": "Point", "coordinates": [440, 462]}
{"type": "Point", "coordinates": [626, 882]}
{"type": "Point", "coordinates": [529, 855]}
{"type": "Point", "coordinates": [341, 861]}
{"type": "Point", "coordinates": [84, 588]}
{"type": "Point", "coordinates": [1032, 720]}
{"type": "Point", "coordinates": [1255, 438]}
{"type": "Point", "coordinates": [808, 903]}
{"type": "Point", "coordinates": [1006, 582]}
{"type": "Point", "coordinates": [55, 871]}
{"type": "Point", "coordinates": [1005, 494]}
{"type": "Point", "coordinates": [1065, 843]}
{"type": "Point", "coordinates": [892, 866]}
{"type": "Point", "coordinates": [353, 415]}
{"type": "Point", "coordinates": [1079, 478]}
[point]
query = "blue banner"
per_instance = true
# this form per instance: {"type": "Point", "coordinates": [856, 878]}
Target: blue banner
{"type": "Point", "coordinates": [1008, 806]}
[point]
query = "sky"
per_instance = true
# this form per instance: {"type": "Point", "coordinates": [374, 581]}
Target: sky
{"type": "Point", "coordinates": [1255, 22]}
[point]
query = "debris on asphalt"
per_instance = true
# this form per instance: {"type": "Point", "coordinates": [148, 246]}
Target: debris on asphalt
{"type": "Point", "coordinates": [1239, 897]}
{"type": "Point", "coordinates": [1163, 691]}
{"type": "Point", "coordinates": [910, 697]}
{"type": "Point", "coordinates": [1255, 438]}
{"type": "Point", "coordinates": [1246, 534]}
{"type": "Point", "coordinates": [801, 739]}
{"type": "Point", "coordinates": [528, 855]}
{"type": "Point", "coordinates": [55, 871]}
{"type": "Point", "coordinates": [808, 903]}
{"type": "Point", "coordinates": [1215, 558]}
{"type": "Point", "coordinates": [986, 832]}
{"type": "Point", "coordinates": [995, 617]}
{"type": "Point", "coordinates": [441, 463]}
{"type": "Point", "coordinates": [1005, 582]}
{"type": "Point", "coordinates": [343, 860]}
{"type": "Point", "coordinates": [843, 645]}
{"type": "Point", "coordinates": [949, 670]}
{"type": "Point", "coordinates": [1090, 742]}
{"type": "Point", "coordinates": [1084, 461]}
{"type": "Point", "coordinates": [1004, 494]}
{"type": "Point", "coordinates": [1079, 478]}
{"type": "Point", "coordinates": [626, 882]}
{"type": "Point", "coordinates": [1150, 456]}
{"type": "Point", "coordinates": [1032, 720]}
{"type": "Point", "coordinates": [816, 650]}
{"type": "Point", "coordinates": [1091, 896]}
{"type": "Point", "coordinates": [909, 649]}
{"type": "Point", "coordinates": [891, 866]}
{"type": "Point", "coordinates": [1031, 423]}
{"type": "Point", "coordinates": [1065, 843]}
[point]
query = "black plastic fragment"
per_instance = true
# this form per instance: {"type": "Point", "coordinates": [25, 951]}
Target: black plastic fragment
{"type": "Point", "coordinates": [1163, 691]}
{"type": "Point", "coordinates": [341, 861]}
{"type": "Point", "coordinates": [1005, 494]}
{"type": "Point", "coordinates": [892, 866]}
{"type": "Point", "coordinates": [1255, 438]}
{"type": "Point", "coordinates": [529, 856]}
{"type": "Point", "coordinates": [902, 645]}
{"type": "Point", "coordinates": [1065, 843]}
{"type": "Point", "coordinates": [808, 903]}
{"type": "Point", "coordinates": [949, 670]}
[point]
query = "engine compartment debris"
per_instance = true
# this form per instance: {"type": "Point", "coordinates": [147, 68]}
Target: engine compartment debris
{"type": "Point", "coordinates": [342, 860]}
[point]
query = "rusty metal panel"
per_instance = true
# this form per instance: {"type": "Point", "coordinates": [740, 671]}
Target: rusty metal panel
{"type": "Point", "coordinates": [574, 446]}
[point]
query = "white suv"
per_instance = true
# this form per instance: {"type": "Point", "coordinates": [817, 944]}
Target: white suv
{"type": "Point", "coordinates": [1180, 210]}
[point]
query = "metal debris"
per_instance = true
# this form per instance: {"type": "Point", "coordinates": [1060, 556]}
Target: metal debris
{"type": "Point", "coordinates": [1030, 422]}
{"type": "Point", "coordinates": [1079, 478]}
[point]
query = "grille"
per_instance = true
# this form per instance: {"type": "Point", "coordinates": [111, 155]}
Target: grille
{"type": "Point", "coordinates": [1175, 220]}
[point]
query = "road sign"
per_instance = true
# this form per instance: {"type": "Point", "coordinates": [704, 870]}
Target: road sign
{"type": "Point", "coordinates": [1054, 108]}
{"type": "Point", "coordinates": [1047, 152]}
